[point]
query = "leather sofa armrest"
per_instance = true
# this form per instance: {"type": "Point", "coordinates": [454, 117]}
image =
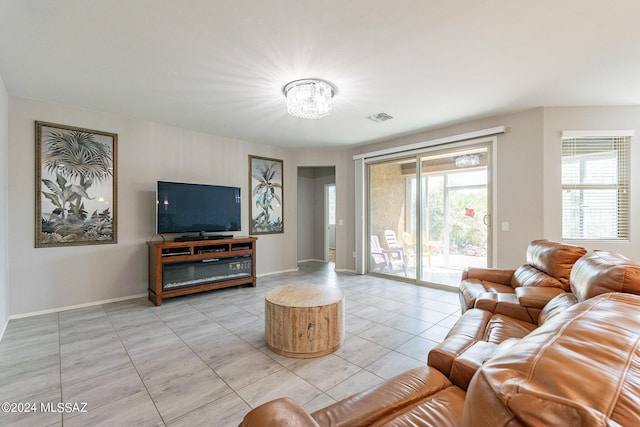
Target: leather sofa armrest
{"type": "Point", "coordinates": [495, 275]}
{"type": "Point", "coordinates": [279, 412]}
{"type": "Point", "coordinates": [467, 363]}
{"type": "Point", "coordinates": [468, 329]}
{"type": "Point", "coordinates": [536, 297]}
{"type": "Point", "coordinates": [507, 304]}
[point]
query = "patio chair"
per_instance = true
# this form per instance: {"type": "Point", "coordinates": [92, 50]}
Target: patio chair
{"type": "Point", "coordinates": [393, 258]}
{"type": "Point", "coordinates": [378, 258]}
{"type": "Point", "coordinates": [410, 247]}
{"type": "Point", "coordinates": [397, 252]}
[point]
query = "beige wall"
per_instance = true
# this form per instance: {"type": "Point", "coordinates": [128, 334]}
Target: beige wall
{"type": "Point", "coordinates": [4, 207]}
{"type": "Point", "coordinates": [527, 173]}
{"type": "Point", "coordinates": [519, 173]}
{"type": "Point", "coordinates": [50, 278]}
{"type": "Point", "coordinates": [557, 119]}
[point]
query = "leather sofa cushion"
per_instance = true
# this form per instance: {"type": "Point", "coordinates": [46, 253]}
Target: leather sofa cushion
{"type": "Point", "coordinates": [551, 258]}
{"type": "Point", "coordinates": [526, 275]}
{"type": "Point", "coordinates": [471, 288]}
{"type": "Point", "coordinates": [582, 367]}
{"type": "Point", "coordinates": [507, 304]}
{"type": "Point", "coordinates": [411, 390]}
{"type": "Point", "coordinates": [443, 409]}
{"type": "Point", "coordinates": [501, 327]}
{"type": "Point", "coordinates": [601, 271]}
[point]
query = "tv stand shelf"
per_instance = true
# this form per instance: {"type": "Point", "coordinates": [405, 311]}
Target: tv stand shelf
{"type": "Point", "coordinates": [183, 268]}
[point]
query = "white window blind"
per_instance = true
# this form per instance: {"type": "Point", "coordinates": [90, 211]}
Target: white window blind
{"type": "Point", "coordinates": [595, 187]}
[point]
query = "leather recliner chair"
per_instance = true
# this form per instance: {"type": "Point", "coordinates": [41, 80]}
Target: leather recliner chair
{"type": "Point", "coordinates": [545, 275]}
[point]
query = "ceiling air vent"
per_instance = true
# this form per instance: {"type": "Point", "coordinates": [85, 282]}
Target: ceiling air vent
{"type": "Point", "coordinates": [380, 117]}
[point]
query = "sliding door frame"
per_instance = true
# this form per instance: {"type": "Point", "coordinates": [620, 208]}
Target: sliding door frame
{"type": "Point", "coordinates": [490, 142]}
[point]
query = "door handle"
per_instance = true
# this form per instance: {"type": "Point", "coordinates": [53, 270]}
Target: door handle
{"type": "Point", "coordinates": [486, 220]}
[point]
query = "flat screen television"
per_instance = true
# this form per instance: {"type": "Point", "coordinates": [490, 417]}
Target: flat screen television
{"type": "Point", "coordinates": [190, 208]}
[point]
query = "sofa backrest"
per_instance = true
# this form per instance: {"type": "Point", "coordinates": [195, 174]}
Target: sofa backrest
{"type": "Point", "coordinates": [599, 272]}
{"type": "Point", "coordinates": [582, 367]}
{"type": "Point", "coordinates": [548, 264]}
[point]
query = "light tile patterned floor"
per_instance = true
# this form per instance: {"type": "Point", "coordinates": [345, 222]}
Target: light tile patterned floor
{"type": "Point", "coordinates": [202, 359]}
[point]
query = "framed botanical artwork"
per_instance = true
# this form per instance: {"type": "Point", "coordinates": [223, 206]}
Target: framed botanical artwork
{"type": "Point", "coordinates": [76, 176]}
{"type": "Point", "coordinates": [265, 198]}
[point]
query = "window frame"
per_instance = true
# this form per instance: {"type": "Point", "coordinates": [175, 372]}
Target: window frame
{"type": "Point", "coordinates": [575, 146]}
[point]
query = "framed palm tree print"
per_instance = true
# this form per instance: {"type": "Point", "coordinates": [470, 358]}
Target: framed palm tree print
{"type": "Point", "coordinates": [265, 197]}
{"type": "Point", "coordinates": [76, 198]}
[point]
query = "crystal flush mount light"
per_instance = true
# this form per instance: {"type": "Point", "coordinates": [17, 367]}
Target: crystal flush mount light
{"type": "Point", "coordinates": [309, 98]}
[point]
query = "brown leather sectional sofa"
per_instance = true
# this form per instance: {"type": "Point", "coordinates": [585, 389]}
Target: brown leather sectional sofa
{"type": "Point", "coordinates": [577, 364]}
{"type": "Point", "coordinates": [545, 275]}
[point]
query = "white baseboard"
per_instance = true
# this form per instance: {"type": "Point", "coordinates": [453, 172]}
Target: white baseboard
{"type": "Point", "coordinates": [71, 307]}
{"type": "Point", "coordinates": [4, 328]}
{"type": "Point", "coordinates": [345, 270]}
{"type": "Point", "coordinates": [271, 273]}
{"type": "Point", "coordinates": [311, 260]}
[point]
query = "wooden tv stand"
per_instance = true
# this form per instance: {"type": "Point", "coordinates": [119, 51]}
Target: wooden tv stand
{"type": "Point", "coordinates": [183, 268]}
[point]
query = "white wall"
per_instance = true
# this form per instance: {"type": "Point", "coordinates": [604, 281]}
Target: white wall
{"type": "Point", "coordinates": [4, 207]}
{"type": "Point", "coordinates": [50, 278]}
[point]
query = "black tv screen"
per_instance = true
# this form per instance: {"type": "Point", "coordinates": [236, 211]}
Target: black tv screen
{"type": "Point", "coordinates": [185, 208]}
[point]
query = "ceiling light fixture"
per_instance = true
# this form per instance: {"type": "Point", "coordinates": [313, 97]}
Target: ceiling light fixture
{"type": "Point", "coordinates": [309, 98]}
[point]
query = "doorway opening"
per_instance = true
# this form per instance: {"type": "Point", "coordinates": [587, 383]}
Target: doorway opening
{"type": "Point", "coordinates": [330, 222]}
{"type": "Point", "coordinates": [316, 206]}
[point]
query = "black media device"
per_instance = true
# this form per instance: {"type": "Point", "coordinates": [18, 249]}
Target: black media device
{"type": "Point", "coordinates": [197, 208]}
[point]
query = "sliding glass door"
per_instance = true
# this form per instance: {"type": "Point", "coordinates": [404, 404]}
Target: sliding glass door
{"type": "Point", "coordinates": [455, 220]}
{"type": "Point", "coordinates": [429, 230]}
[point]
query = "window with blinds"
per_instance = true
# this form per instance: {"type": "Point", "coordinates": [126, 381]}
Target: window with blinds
{"type": "Point", "coordinates": [595, 187]}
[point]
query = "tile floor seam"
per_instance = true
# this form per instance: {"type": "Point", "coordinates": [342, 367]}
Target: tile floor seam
{"type": "Point", "coordinates": [233, 390]}
{"type": "Point", "coordinates": [135, 367]}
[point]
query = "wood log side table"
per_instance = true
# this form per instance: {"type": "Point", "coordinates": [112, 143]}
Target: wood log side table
{"type": "Point", "coordinates": [304, 321]}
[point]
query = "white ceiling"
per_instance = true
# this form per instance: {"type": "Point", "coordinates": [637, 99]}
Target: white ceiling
{"type": "Point", "coordinates": [219, 66]}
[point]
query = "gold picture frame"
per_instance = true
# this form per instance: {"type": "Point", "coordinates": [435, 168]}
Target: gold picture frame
{"type": "Point", "coordinates": [266, 190]}
{"type": "Point", "coordinates": [76, 186]}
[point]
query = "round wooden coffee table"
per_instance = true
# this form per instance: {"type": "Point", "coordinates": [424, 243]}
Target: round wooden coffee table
{"type": "Point", "coordinates": [304, 320]}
